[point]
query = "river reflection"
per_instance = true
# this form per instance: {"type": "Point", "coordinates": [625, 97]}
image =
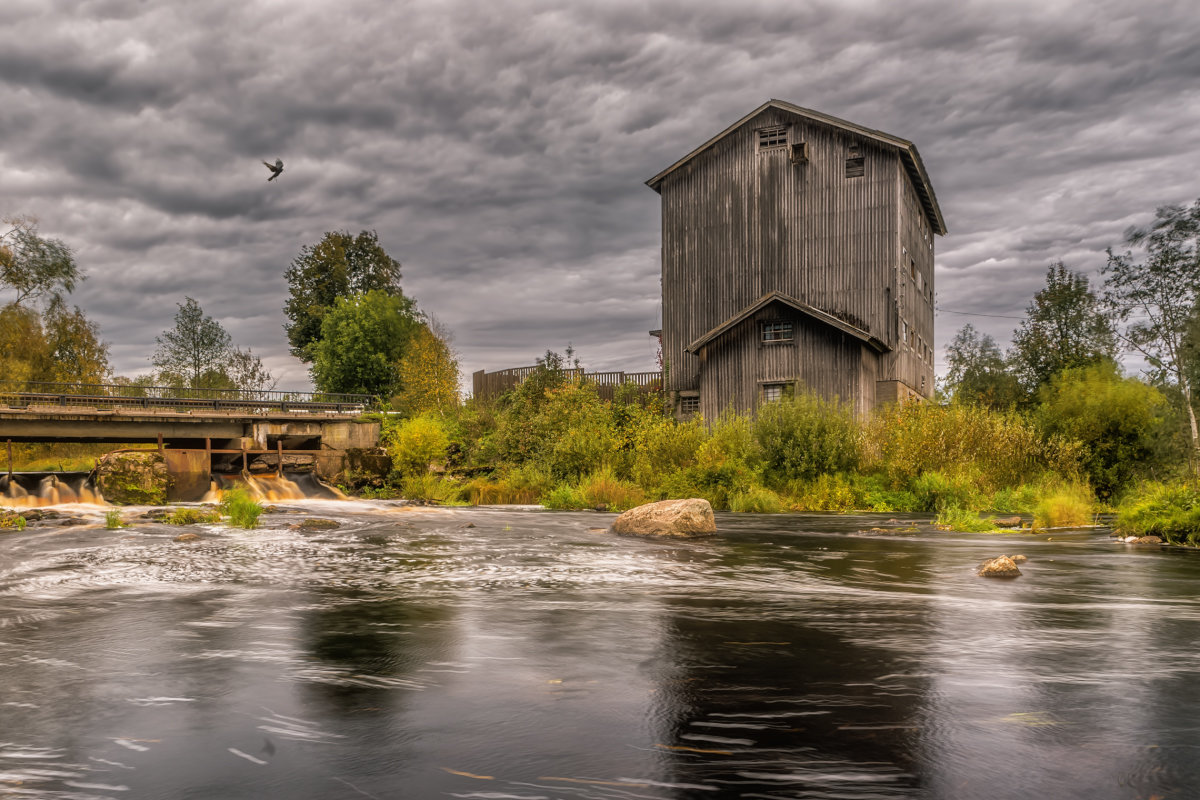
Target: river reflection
{"type": "Point", "coordinates": [491, 653]}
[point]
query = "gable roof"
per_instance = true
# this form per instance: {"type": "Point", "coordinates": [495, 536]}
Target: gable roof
{"type": "Point", "coordinates": [804, 308]}
{"type": "Point", "coordinates": [908, 155]}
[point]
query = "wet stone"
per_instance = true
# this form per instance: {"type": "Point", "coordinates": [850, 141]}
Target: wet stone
{"type": "Point", "coordinates": [1007, 522]}
{"type": "Point", "coordinates": [187, 537]}
{"type": "Point", "coordinates": [1001, 567]}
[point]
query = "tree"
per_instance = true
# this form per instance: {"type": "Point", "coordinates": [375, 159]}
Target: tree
{"type": "Point", "coordinates": [428, 373]}
{"type": "Point", "coordinates": [197, 346]}
{"type": "Point", "coordinates": [1065, 327]}
{"type": "Point", "coordinates": [363, 339]}
{"type": "Point", "coordinates": [77, 353]}
{"type": "Point", "coordinates": [1116, 419]}
{"type": "Point", "coordinates": [246, 371]}
{"type": "Point", "coordinates": [339, 265]}
{"type": "Point", "coordinates": [1155, 300]}
{"type": "Point", "coordinates": [977, 371]}
{"type": "Point", "coordinates": [32, 266]}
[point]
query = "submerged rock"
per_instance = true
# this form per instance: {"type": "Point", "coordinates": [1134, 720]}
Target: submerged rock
{"type": "Point", "coordinates": [1019, 559]}
{"type": "Point", "coordinates": [317, 524]}
{"type": "Point", "coordinates": [1001, 567]}
{"type": "Point", "coordinates": [692, 517]}
{"type": "Point", "coordinates": [187, 537]}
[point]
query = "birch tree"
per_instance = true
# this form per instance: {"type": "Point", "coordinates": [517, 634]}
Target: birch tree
{"type": "Point", "coordinates": [1154, 300]}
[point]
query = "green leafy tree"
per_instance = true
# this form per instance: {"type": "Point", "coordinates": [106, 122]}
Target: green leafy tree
{"type": "Point", "coordinates": [363, 339]}
{"type": "Point", "coordinates": [1065, 327]}
{"type": "Point", "coordinates": [32, 266]}
{"type": "Point", "coordinates": [77, 353]}
{"type": "Point", "coordinates": [1118, 420]}
{"type": "Point", "coordinates": [428, 373]}
{"type": "Point", "coordinates": [339, 265]}
{"type": "Point", "coordinates": [977, 373]}
{"type": "Point", "coordinates": [1155, 299]}
{"type": "Point", "coordinates": [195, 349]}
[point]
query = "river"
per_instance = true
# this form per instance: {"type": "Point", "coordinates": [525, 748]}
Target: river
{"type": "Point", "coordinates": [498, 653]}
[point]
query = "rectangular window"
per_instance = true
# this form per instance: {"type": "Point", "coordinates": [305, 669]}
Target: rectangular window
{"type": "Point", "coordinates": [772, 392]}
{"type": "Point", "coordinates": [771, 138]}
{"type": "Point", "coordinates": [689, 405]}
{"type": "Point", "coordinates": [777, 331]}
{"type": "Point", "coordinates": [904, 331]}
{"type": "Point", "coordinates": [855, 167]}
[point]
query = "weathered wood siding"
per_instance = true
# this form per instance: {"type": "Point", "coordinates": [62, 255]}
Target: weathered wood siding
{"type": "Point", "coordinates": [738, 223]}
{"type": "Point", "coordinates": [820, 358]}
{"type": "Point", "coordinates": [912, 360]}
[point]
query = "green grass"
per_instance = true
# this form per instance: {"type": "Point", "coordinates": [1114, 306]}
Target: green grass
{"type": "Point", "coordinates": [242, 509]}
{"type": "Point", "coordinates": [1169, 510]}
{"type": "Point", "coordinates": [963, 520]}
{"type": "Point", "coordinates": [112, 519]}
{"type": "Point", "coordinates": [12, 521]}
{"type": "Point", "coordinates": [1070, 505]}
{"type": "Point", "coordinates": [192, 516]}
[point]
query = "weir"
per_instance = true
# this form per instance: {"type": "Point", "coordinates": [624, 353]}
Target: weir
{"type": "Point", "coordinates": [35, 489]}
{"type": "Point", "coordinates": [199, 437]}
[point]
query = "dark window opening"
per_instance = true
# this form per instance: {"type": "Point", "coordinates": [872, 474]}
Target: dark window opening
{"type": "Point", "coordinates": [769, 138]}
{"type": "Point", "coordinates": [855, 167]}
{"type": "Point", "coordinates": [689, 405]}
{"type": "Point", "coordinates": [777, 331]}
{"type": "Point", "coordinates": [773, 392]}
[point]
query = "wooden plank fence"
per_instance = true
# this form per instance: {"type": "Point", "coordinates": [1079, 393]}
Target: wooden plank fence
{"type": "Point", "coordinates": [493, 384]}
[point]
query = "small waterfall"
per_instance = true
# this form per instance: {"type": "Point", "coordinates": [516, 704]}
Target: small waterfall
{"type": "Point", "coordinates": [37, 489]}
{"type": "Point", "coordinates": [286, 486]}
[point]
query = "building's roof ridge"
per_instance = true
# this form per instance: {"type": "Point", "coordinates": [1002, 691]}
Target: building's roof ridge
{"type": "Point", "coordinates": [799, 305]}
{"type": "Point", "coordinates": [912, 161]}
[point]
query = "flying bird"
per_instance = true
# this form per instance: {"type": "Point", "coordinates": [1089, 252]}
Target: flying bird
{"type": "Point", "coordinates": [275, 168]}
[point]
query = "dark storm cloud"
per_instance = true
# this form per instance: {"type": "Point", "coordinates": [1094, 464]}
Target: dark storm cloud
{"type": "Point", "coordinates": [500, 149]}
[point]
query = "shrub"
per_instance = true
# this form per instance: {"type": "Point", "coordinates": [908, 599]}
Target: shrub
{"type": "Point", "coordinates": [242, 509]}
{"type": "Point", "coordinates": [825, 493]}
{"type": "Point", "coordinates": [1169, 510]}
{"type": "Point", "coordinates": [802, 437]}
{"type": "Point", "coordinates": [1068, 505]}
{"type": "Point", "coordinates": [603, 488]}
{"type": "Point", "coordinates": [429, 488]}
{"type": "Point", "coordinates": [416, 443]}
{"type": "Point", "coordinates": [936, 491]}
{"type": "Point", "coordinates": [996, 448]}
{"type": "Point", "coordinates": [757, 499]}
{"type": "Point", "coordinates": [1117, 420]}
{"type": "Point", "coordinates": [112, 520]}
{"type": "Point", "coordinates": [521, 485]}
{"type": "Point", "coordinates": [565, 497]}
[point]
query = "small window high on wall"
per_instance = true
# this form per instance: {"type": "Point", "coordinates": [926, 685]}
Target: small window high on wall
{"type": "Point", "coordinates": [777, 331]}
{"type": "Point", "coordinates": [855, 166]}
{"type": "Point", "coordinates": [771, 138]}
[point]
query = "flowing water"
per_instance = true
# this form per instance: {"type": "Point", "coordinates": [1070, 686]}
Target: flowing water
{"type": "Point", "coordinates": [517, 653]}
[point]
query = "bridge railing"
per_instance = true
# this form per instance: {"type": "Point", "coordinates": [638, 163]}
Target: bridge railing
{"type": "Point", "coordinates": [492, 384]}
{"type": "Point", "coordinates": [118, 395]}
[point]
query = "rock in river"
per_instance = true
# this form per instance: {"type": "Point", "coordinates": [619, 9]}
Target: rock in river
{"type": "Point", "coordinates": [692, 517]}
{"type": "Point", "coordinates": [1001, 567]}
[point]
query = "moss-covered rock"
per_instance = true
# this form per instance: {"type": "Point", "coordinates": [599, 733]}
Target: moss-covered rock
{"type": "Point", "coordinates": [133, 478]}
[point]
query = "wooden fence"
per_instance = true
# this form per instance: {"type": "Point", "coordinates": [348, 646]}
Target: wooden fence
{"type": "Point", "coordinates": [492, 384]}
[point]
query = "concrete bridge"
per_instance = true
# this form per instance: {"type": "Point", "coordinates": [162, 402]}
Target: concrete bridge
{"type": "Point", "coordinates": [196, 431]}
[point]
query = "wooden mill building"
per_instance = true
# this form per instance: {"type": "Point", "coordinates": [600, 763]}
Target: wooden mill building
{"type": "Point", "coordinates": [797, 253]}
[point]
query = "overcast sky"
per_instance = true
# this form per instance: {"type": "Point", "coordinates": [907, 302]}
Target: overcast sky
{"type": "Point", "coordinates": [500, 149]}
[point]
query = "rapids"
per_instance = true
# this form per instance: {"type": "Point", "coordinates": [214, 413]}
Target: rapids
{"type": "Point", "coordinates": [516, 653]}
